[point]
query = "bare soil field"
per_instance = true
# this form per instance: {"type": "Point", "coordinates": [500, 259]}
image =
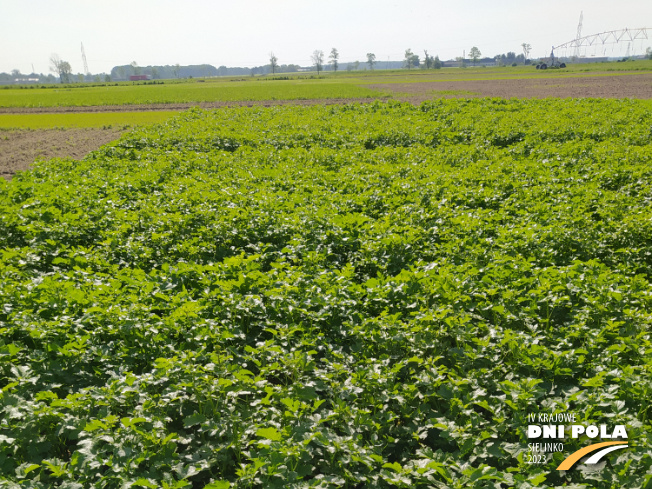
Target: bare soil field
{"type": "Point", "coordinates": [19, 149]}
{"type": "Point", "coordinates": [638, 86]}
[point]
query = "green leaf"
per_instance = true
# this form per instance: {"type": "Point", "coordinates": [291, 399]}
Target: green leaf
{"type": "Point", "coordinates": [269, 434]}
{"type": "Point", "coordinates": [142, 482]}
{"type": "Point", "coordinates": [539, 479]}
{"type": "Point", "coordinates": [395, 466]}
{"type": "Point", "coordinates": [128, 422]}
{"type": "Point", "coordinates": [25, 469]}
{"type": "Point", "coordinates": [218, 485]}
{"type": "Point", "coordinates": [93, 425]}
{"type": "Point", "coordinates": [194, 419]}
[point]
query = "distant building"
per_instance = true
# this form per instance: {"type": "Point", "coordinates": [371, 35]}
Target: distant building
{"type": "Point", "coordinates": [140, 77]}
{"type": "Point", "coordinates": [25, 81]}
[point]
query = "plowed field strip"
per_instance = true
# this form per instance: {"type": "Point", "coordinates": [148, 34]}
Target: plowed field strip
{"type": "Point", "coordinates": [634, 86]}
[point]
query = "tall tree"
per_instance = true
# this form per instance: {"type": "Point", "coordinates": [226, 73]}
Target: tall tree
{"type": "Point", "coordinates": [334, 56]}
{"type": "Point", "coordinates": [408, 61]}
{"type": "Point", "coordinates": [371, 60]}
{"type": "Point", "coordinates": [526, 49]}
{"type": "Point", "coordinates": [62, 68]}
{"type": "Point", "coordinates": [474, 54]}
{"type": "Point", "coordinates": [273, 62]}
{"type": "Point", "coordinates": [318, 59]}
{"type": "Point", "coordinates": [428, 59]}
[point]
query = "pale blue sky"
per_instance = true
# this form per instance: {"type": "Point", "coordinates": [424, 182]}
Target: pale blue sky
{"type": "Point", "coordinates": [243, 32]}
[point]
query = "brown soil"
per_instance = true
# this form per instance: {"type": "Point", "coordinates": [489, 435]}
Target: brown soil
{"type": "Point", "coordinates": [19, 149]}
{"type": "Point", "coordinates": [637, 86]}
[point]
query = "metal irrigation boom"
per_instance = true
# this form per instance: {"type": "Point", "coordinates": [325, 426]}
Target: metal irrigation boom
{"type": "Point", "coordinates": [609, 37]}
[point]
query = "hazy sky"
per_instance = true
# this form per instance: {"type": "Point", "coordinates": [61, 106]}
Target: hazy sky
{"type": "Point", "coordinates": [243, 32]}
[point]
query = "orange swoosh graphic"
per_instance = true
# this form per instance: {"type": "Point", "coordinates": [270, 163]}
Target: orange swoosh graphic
{"type": "Point", "coordinates": [574, 457]}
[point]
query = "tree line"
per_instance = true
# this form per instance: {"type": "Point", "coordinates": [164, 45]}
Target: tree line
{"type": "Point", "coordinates": [318, 59]}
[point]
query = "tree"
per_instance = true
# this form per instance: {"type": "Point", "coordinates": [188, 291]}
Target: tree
{"type": "Point", "coordinates": [318, 59]}
{"type": "Point", "coordinates": [648, 53]}
{"type": "Point", "coordinates": [475, 54]}
{"type": "Point", "coordinates": [428, 60]}
{"type": "Point", "coordinates": [273, 62]}
{"type": "Point", "coordinates": [62, 68]}
{"type": "Point", "coordinates": [334, 56]}
{"type": "Point", "coordinates": [411, 59]}
{"type": "Point", "coordinates": [437, 64]}
{"type": "Point", "coordinates": [371, 60]}
{"type": "Point", "coordinates": [526, 49]}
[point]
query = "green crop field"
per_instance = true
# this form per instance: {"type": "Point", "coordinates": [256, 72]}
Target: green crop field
{"type": "Point", "coordinates": [215, 90]}
{"type": "Point", "coordinates": [353, 296]}
{"type": "Point", "coordinates": [302, 86]}
{"type": "Point", "coordinates": [81, 120]}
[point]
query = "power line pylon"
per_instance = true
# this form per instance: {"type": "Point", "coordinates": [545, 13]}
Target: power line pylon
{"type": "Point", "coordinates": [86, 71]}
{"type": "Point", "coordinates": [578, 36]}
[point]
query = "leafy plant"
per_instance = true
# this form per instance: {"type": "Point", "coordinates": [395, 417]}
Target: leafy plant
{"type": "Point", "coordinates": [347, 296]}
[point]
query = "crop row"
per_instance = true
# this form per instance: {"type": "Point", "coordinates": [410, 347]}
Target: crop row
{"type": "Point", "coordinates": [190, 92]}
{"type": "Point", "coordinates": [348, 296]}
